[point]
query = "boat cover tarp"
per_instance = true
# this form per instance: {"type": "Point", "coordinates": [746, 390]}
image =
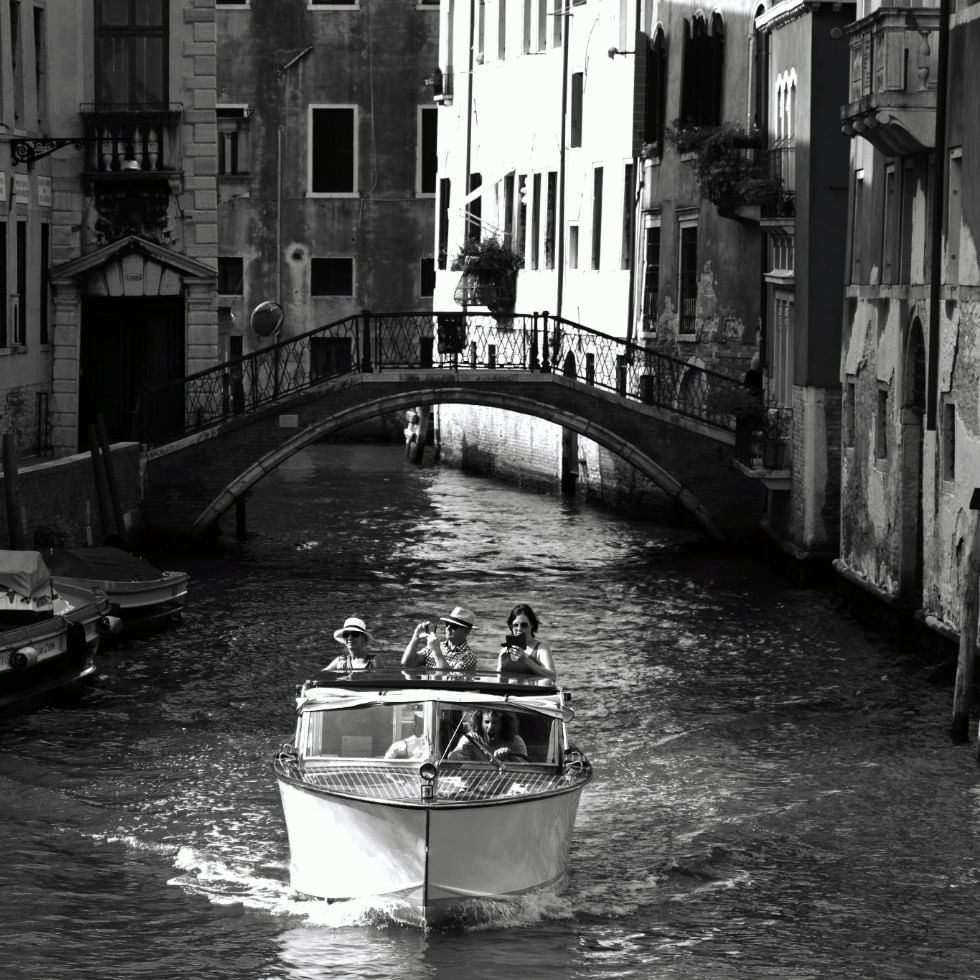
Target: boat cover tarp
{"type": "Point", "coordinates": [104, 564]}
{"type": "Point", "coordinates": [333, 699]}
{"type": "Point", "coordinates": [24, 572]}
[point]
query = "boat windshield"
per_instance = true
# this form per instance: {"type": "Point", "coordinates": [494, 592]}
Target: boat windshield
{"type": "Point", "coordinates": [415, 731]}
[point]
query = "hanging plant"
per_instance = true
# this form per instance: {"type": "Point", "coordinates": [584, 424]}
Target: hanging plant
{"type": "Point", "coordinates": [487, 256]}
{"type": "Point", "coordinates": [721, 151]}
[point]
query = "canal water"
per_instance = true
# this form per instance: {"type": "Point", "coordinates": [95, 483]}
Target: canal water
{"type": "Point", "coordinates": [775, 793]}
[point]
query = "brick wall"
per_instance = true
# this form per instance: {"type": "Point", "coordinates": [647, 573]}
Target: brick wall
{"type": "Point", "coordinates": [59, 495]}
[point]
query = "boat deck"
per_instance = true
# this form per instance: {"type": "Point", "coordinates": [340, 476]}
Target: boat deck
{"type": "Point", "coordinates": [456, 783]}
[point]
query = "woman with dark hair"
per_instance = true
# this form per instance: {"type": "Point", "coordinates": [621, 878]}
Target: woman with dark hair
{"type": "Point", "coordinates": [521, 652]}
{"type": "Point", "coordinates": [491, 736]}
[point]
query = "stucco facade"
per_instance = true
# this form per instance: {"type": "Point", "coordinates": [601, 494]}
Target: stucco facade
{"type": "Point", "coordinates": [910, 364]}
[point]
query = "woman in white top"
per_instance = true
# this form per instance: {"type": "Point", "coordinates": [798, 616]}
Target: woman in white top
{"type": "Point", "coordinates": [521, 652]}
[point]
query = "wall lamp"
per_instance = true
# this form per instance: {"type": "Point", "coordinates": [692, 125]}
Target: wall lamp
{"type": "Point", "coordinates": [612, 52]}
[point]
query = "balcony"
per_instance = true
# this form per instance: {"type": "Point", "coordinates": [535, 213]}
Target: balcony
{"type": "Point", "coordinates": [125, 143]}
{"type": "Point", "coordinates": [892, 99]}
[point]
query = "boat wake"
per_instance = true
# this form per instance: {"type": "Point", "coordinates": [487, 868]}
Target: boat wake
{"type": "Point", "coordinates": [225, 883]}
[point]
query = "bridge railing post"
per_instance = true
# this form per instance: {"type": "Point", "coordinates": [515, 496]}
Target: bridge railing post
{"type": "Point", "coordinates": [533, 364]}
{"type": "Point", "coordinates": [473, 355]}
{"type": "Point", "coordinates": [366, 342]}
{"type": "Point", "coordinates": [491, 356]}
{"type": "Point", "coordinates": [621, 374]}
{"type": "Point", "coordinates": [545, 338]}
{"type": "Point", "coordinates": [590, 368]}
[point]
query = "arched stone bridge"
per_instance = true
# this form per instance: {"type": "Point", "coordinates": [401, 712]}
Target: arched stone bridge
{"type": "Point", "coordinates": [239, 421]}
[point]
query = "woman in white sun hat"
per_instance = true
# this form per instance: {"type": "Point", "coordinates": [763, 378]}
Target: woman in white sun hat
{"type": "Point", "coordinates": [355, 636]}
{"type": "Point", "coordinates": [454, 653]}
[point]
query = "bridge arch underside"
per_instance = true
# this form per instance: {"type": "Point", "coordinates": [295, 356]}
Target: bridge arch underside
{"type": "Point", "coordinates": [690, 465]}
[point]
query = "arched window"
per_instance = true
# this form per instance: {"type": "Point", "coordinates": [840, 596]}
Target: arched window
{"type": "Point", "coordinates": [703, 70]}
{"type": "Point", "coordinates": [655, 105]}
{"type": "Point", "coordinates": [914, 386]}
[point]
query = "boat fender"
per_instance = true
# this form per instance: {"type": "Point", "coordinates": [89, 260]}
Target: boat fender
{"type": "Point", "coordinates": [77, 644]}
{"type": "Point", "coordinates": [23, 658]}
{"type": "Point", "coordinates": [108, 625]}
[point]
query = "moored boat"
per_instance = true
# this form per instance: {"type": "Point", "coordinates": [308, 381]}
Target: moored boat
{"type": "Point", "coordinates": [140, 594]}
{"type": "Point", "coordinates": [48, 636]}
{"type": "Point", "coordinates": [381, 801]}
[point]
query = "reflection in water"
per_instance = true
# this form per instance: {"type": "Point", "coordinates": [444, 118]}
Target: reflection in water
{"type": "Point", "coordinates": [774, 796]}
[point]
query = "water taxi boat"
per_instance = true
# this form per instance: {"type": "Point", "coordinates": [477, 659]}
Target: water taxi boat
{"type": "Point", "coordinates": [48, 636]}
{"type": "Point", "coordinates": [140, 594]}
{"type": "Point", "coordinates": [381, 801]}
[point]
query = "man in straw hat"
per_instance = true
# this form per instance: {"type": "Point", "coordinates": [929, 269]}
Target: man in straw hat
{"type": "Point", "coordinates": [454, 653]}
{"type": "Point", "coordinates": [355, 636]}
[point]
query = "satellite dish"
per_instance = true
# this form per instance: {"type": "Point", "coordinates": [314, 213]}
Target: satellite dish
{"type": "Point", "coordinates": [267, 318]}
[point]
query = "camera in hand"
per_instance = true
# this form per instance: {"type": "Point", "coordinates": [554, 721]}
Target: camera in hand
{"type": "Point", "coordinates": [514, 641]}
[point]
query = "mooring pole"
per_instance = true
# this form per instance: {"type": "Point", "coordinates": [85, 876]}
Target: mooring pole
{"type": "Point", "coordinates": [110, 475]}
{"type": "Point", "coordinates": [15, 527]}
{"type": "Point", "coordinates": [101, 484]}
{"type": "Point", "coordinates": [969, 611]}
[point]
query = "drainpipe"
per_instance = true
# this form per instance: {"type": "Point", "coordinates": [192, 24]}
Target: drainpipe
{"type": "Point", "coordinates": [560, 257]}
{"type": "Point", "coordinates": [936, 235]}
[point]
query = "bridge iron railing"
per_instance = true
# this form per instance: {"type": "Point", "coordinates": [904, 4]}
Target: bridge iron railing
{"type": "Point", "coordinates": [371, 343]}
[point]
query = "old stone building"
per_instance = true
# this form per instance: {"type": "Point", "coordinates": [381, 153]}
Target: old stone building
{"type": "Point", "coordinates": [910, 364]}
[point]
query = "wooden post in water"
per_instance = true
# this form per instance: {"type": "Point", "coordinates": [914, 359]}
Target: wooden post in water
{"type": "Point", "coordinates": [110, 475]}
{"type": "Point", "coordinates": [101, 484]}
{"type": "Point", "coordinates": [969, 611]}
{"type": "Point", "coordinates": [15, 526]}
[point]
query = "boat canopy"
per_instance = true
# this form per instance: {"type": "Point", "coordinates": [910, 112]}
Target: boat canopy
{"type": "Point", "coordinates": [106, 564]}
{"type": "Point", "coordinates": [334, 699]}
{"type": "Point", "coordinates": [24, 572]}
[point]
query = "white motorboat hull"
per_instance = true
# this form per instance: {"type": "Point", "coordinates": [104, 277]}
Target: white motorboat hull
{"type": "Point", "coordinates": [430, 858]}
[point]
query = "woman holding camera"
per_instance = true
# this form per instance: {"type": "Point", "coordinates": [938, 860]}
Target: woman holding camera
{"type": "Point", "coordinates": [521, 652]}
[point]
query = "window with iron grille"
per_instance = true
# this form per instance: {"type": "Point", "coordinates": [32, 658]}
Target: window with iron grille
{"type": "Point", "coordinates": [3, 285]}
{"type": "Point", "coordinates": [688, 278]}
{"type": "Point", "coordinates": [597, 218]}
{"type": "Point", "coordinates": [575, 123]}
{"type": "Point", "coordinates": [131, 53]}
{"type": "Point", "coordinates": [651, 280]}
{"type": "Point", "coordinates": [231, 274]}
{"type": "Point", "coordinates": [550, 220]}
{"type": "Point", "coordinates": [44, 284]}
{"type": "Point", "coordinates": [444, 192]}
{"type": "Point", "coordinates": [19, 326]}
{"type": "Point", "coordinates": [332, 276]}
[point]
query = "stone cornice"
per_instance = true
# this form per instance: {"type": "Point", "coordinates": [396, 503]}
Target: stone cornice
{"type": "Point", "coordinates": [789, 10]}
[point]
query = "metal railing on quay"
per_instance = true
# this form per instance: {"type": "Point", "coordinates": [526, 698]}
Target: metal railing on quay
{"type": "Point", "coordinates": [457, 341]}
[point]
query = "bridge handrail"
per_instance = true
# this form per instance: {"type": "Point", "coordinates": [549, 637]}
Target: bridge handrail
{"type": "Point", "coordinates": [370, 342]}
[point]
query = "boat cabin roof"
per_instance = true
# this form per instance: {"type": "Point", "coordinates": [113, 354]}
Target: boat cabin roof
{"type": "Point", "coordinates": [23, 572]}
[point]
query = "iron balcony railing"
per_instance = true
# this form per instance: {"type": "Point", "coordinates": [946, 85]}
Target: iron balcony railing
{"type": "Point", "coordinates": [371, 343]}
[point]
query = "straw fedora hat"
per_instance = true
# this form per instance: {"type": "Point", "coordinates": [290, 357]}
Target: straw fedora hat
{"type": "Point", "coordinates": [352, 625]}
{"type": "Point", "coordinates": [460, 616]}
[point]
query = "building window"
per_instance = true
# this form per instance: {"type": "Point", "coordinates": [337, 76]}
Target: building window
{"type": "Point", "coordinates": [849, 396]}
{"type": "Point", "coordinates": [474, 208]}
{"type": "Point", "coordinates": [427, 276]}
{"type": "Point", "coordinates": [444, 188]}
{"type": "Point", "coordinates": [687, 298]}
{"type": "Point", "coordinates": [881, 424]}
{"type": "Point", "coordinates": [550, 220]}
{"type": "Point", "coordinates": [231, 274]}
{"type": "Point", "coordinates": [333, 150]}
{"type": "Point", "coordinates": [314, 4]}
{"type": "Point", "coordinates": [427, 162]}
{"type": "Point", "coordinates": [573, 246]}
{"type": "Point", "coordinates": [781, 354]}
{"type": "Point", "coordinates": [18, 325]}
{"type": "Point", "coordinates": [949, 442]}
{"type": "Point", "coordinates": [535, 220]}
{"type": "Point", "coordinates": [655, 94]}
{"type": "Point", "coordinates": [857, 218]}
{"type": "Point", "coordinates": [40, 68]}
{"type": "Point", "coordinates": [508, 209]}
{"type": "Point", "coordinates": [233, 143]}
{"type": "Point", "coordinates": [954, 215]}
{"type": "Point", "coordinates": [651, 280]}
{"type": "Point", "coordinates": [889, 225]}
{"type": "Point", "coordinates": [501, 29]}
{"type": "Point", "coordinates": [557, 22]}
{"type": "Point", "coordinates": [332, 277]}
{"type": "Point", "coordinates": [481, 27]}
{"type": "Point", "coordinates": [629, 217]}
{"type": "Point", "coordinates": [526, 43]}
{"type": "Point", "coordinates": [703, 68]}
{"type": "Point", "coordinates": [131, 52]}
{"type": "Point", "coordinates": [3, 285]}
{"type": "Point", "coordinates": [542, 24]}
{"type": "Point", "coordinates": [520, 246]}
{"type": "Point", "coordinates": [575, 122]}
{"type": "Point", "coordinates": [597, 218]}
{"type": "Point", "coordinates": [44, 285]}
{"type": "Point", "coordinates": [905, 222]}
{"type": "Point", "coordinates": [17, 61]}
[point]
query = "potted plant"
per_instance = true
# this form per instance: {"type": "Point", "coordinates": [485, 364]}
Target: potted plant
{"type": "Point", "coordinates": [489, 279]}
{"type": "Point", "coordinates": [723, 157]}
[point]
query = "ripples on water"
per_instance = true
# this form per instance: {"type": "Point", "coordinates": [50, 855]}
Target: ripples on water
{"type": "Point", "coordinates": [774, 795]}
